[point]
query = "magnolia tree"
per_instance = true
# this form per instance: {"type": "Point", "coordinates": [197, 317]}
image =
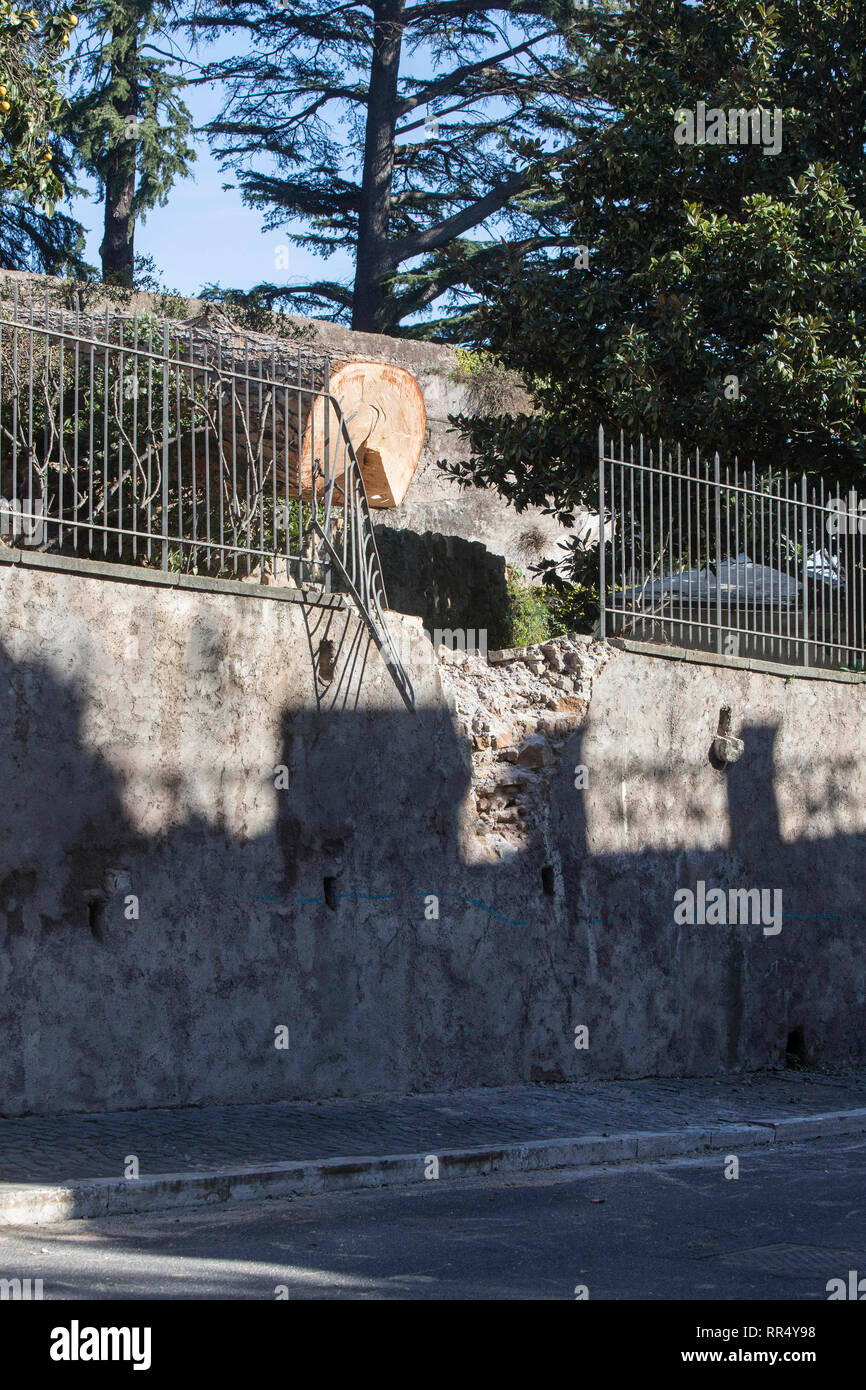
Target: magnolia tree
{"type": "Point", "coordinates": [717, 295]}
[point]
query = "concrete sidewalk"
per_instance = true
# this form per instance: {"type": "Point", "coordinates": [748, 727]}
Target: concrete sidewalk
{"type": "Point", "coordinates": [54, 1168]}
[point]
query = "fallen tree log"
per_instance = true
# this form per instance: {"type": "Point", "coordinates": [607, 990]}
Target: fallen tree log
{"type": "Point", "coordinates": [275, 412]}
{"type": "Point", "coordinates": [384, 412]}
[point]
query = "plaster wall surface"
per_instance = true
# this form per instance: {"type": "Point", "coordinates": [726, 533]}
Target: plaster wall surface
{"type": "Point", "coordinates": [202, 842]}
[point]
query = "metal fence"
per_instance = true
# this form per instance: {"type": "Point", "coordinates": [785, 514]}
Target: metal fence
{"type": "Point", "coordinates": [729, 559]}
{"type": "Point", "coordinates": [189, 447]}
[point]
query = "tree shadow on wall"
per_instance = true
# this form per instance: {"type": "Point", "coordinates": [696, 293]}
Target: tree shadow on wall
{"type": "Point", "coordinates": [447, 582]}
{"type": "Point", "coordinates": [348, 908]}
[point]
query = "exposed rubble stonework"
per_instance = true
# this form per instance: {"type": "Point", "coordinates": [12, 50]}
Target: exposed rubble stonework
{"type": "Point", "coordinates": [515, 713]}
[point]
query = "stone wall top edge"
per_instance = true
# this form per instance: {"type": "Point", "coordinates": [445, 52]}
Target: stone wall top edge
{"type": "Point", "coordinates": [332, 337]}
{"type": "Point", "coordinates": [134, 574]}
{"type": "Point", "coordinates": [736, 663]}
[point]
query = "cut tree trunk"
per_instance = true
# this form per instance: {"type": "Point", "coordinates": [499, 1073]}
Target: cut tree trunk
{"type": "Point", "coordinates": [385, 416]}
{"type": "Point", "coordinates": [293, 438]}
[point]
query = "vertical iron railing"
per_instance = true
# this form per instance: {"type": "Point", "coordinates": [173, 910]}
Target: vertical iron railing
{"type": "Point", "coordinates": [730, 560]}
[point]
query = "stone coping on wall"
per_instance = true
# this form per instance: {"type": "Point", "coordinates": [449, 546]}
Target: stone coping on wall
{"type": "Point", "coordinates": [135, 574]}
{"type": "Point", "coordinates": [738, 663]}
{"type": "Point", "coordinates": [313, 335]}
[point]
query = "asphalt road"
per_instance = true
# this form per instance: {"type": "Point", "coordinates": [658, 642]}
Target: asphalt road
{"type": "Point", "coordinates": [794, 1219]}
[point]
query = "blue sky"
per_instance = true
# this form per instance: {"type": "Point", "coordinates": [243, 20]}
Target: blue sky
{"type": "Point", "coordinates": [205, 235]}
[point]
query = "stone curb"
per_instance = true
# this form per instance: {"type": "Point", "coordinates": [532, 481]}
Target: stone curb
{"type": "Point", "coordinates": [42, 1204]}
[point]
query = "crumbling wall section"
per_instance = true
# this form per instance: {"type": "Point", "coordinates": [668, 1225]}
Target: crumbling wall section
{"type": "Point", "coordinates": [517, 711]}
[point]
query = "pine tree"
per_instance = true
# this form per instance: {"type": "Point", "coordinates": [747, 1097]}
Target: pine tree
{"type": "Point", "coordinates": [411, 135]}
{"type": "Point", "coordinates": [31, 240]}
{"type": "Point", "coordinates": [127, 121]}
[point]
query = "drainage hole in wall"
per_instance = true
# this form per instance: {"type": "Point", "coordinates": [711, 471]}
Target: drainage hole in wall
{"type": "Point", "coordinates": [96, 916]}
{"type": "Point", "coordinates": [547, 881]}
{"type": "Point", "coordinates": [331, 893]}
{"type": "Point", "coordinates": [325, 661]}
{"type": "Point", "coordinates": [795, 1048]}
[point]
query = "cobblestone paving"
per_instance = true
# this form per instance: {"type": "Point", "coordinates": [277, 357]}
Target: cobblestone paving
{"type": "Point", "coordinates": [58, 1149]}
